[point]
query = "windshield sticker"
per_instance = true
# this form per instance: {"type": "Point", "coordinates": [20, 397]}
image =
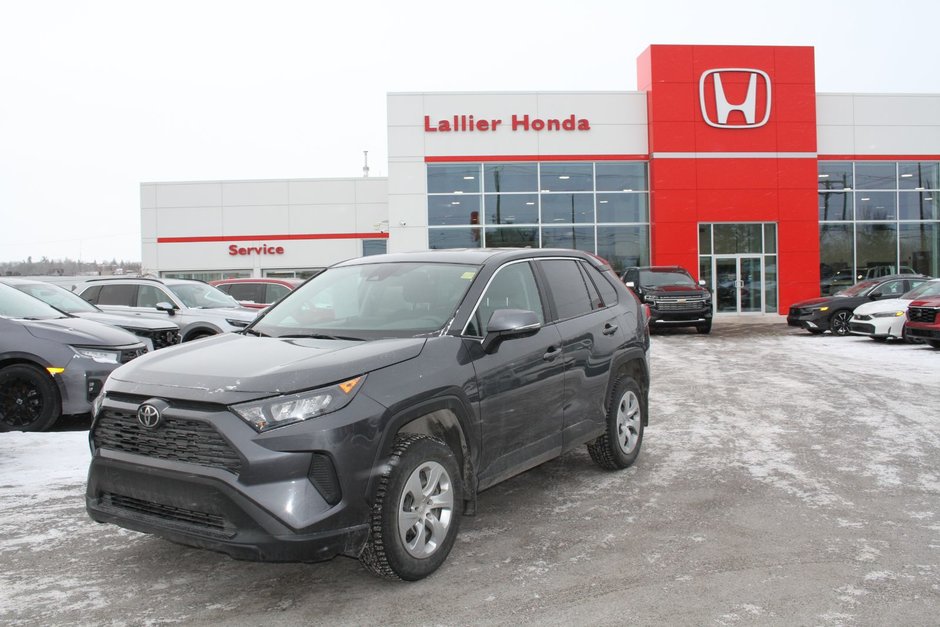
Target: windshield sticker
{"type": "Point", "coordinates": [468, 275]}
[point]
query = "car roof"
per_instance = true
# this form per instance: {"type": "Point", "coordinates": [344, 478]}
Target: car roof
{"type": "Point", "coordinates": [265, 279]}
{"type": "Point", "coordinates": [137, 279]}
{"type": "Point", "coordinates": [472, 256]}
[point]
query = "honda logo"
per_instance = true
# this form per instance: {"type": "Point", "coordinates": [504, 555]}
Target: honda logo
{"type": "Point", "coordinates": [718, 116]}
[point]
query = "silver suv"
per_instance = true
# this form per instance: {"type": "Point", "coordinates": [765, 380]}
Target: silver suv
{"type": "Point", "coordinates": [198, 308]}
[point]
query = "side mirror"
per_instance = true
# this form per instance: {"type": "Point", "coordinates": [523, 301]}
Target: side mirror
{"type": "Point", "coordinates": [167, 307]}
{"type": "Point", "coordinates": [506, 324]}
{"type": "Point", "coordinates": [876, 295]}
{"type": "Point", "coordinates": [630, 284]}
{"type": "Point", "coordinates": [701, 282]}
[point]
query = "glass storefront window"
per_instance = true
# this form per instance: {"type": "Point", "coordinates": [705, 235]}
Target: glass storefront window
{"type": "Point", "coordinates": [919, 205]}
{"type": "Point", "coordinates": [576, 237]}
{"type": "Point", "coordinates": [876, 206]}
{"type": "Point", "coordinates": [920, 247]}
{"type": "Point", "coordinates": [835, 175]}
{"type": "Point", "coordinates": [876, 247]}
{"type": "Point", "coordinates": [451, 178]}
{"type": "Point", "coordinates": [770, 238]}
{"type": "Point", "coordinates": [374, 247]}
{"type": "Point", "coordinates": [876, 175]}
{"type": "Point", "coordinates": [455, 209]}
{"type": "Point", "coordinates": [454, 238]}
{"type": "Point", "coordinates": [621, 177]}
{"type": "Point", "coordinates": [567, 177]}
{"type": "Point", "coordinates": [705, 239]}
{"type": "Point", "coordinates": [624, 246]}
{"type": "Point", "coordinates": [919, 175]}
{"type": "Point", "coordinates": [511, 208]}
{"type": "Point", "coordinates": [770, 283]}
{"type": "Point", "coordinates": [622, 208]}
{"type": "Point", "coordinates": [512, 237]}
{"type": "Point", "coordinates": [511, 177]}
{"type": "Point", "coordinates": [570, 208]}
{"type": "Point", "coordinates": [836, 206]}
{"type": "Point", "coordinates": [738, 238]}
{"type": "Point", "coordinates": [836, 257]}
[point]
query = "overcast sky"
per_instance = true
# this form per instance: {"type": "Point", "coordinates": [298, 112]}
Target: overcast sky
{"type": "Point", "coordinates": [97, 97]}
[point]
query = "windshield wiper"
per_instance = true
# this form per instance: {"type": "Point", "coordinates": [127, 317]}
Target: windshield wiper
{"type": "Point", "coordinates": [253, 332]}
{"type": "Point", "coordinates": [322, 336]}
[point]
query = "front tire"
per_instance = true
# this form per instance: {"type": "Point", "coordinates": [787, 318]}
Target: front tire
{"type": "Point", "coordinates": [416, 512]}
{"type": "Point", "coordinates": [704, 329]}
{"type": "Point", "coordinates": [839, 322]}
{"type": "Point", "coordinates": [620, 446]}
{"type": "Point", "coordinates": [934, 343]}
{"type": "Point", "coordinates": [29, 400]}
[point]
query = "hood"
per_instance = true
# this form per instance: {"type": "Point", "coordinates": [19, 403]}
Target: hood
{"type": "Point", "coordinates": [224, 367]}
{"type": "Point", "coordinates": [128, 322]}
{"type": "Point", "coordinates": [79, 332]}
{"type": "Point", "coordinates": [813, 302]}
{"type": "Point", "coordinates": [675, 290]}
{"type": "Point", "coordinates": [888, 304]}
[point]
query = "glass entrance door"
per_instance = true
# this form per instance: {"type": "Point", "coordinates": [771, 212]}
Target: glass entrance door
{"type": "Point", "coordinates": [738, 284]}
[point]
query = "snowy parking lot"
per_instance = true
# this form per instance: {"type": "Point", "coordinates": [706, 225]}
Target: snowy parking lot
{"type": "Point", "coordinates": [785, 479]}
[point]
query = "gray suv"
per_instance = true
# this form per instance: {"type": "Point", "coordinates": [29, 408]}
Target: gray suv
{"type": "Point", "coordinates": [199, 309]}
{"type": "Point", "coordinates": [363, 413]}
{"type": "Point", "coordinates": [53, 364]}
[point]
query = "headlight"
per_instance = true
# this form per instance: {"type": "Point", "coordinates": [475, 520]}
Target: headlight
{"type": "Point", "coordinates": [284, 410]}
{"type": "Point", "coordinates": [888, 314]}
{"type": "Point", "coordinates": [99, 355]}
{"type": "Point", "coordinates": [241, 324]}
{"type": "Point", "coordinates": [826, 308]}
{"type": "Point", "coordinates": [649, 299]}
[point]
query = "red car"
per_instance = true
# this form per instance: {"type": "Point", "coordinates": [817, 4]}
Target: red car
{"type": "Point", "coordinates": [923, 321]}
{"type": "Point", "coordinates": [257, 293]}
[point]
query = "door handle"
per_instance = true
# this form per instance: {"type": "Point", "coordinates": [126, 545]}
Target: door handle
{"type": "Point", "coordinates": [609, 329]}
{"type": "Point", "coordinates": [552, 353]}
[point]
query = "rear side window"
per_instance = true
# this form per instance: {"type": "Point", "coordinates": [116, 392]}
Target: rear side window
{"type": "Point", "coordinates": [248, 292]}
{"type": "Point", "coordinates": [569, 291]}
{"type": "Point", "coordinates": [607, 291]}
{"type": "Point", "coordinates": [275, 292]}
{"type": "Point", "coordinates": [125, 295]}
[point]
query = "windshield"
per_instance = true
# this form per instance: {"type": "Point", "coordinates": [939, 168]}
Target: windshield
{"type": "Point", "coordinates": [658, 278]}
{"type": "Point", "coordinates": [202, 296]}
{"type": "Point", "coordinates": [859, 289]}
{"type": "Point", "coordinates": [924, 290]}
{"type": "Point", "coordinates": [58, 297]}
{"type": "Point", "coordinates": [16, 304]}
{"type": "Point", "coordinates": [371, 301]}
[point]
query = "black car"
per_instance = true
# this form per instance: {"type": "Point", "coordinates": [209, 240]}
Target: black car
{"type": "Point", "coordinates": [363, 413]}
{"type": "Point", "coordinates": [673, 296]}
{"type": "Point", "coordinates": [833, 313]}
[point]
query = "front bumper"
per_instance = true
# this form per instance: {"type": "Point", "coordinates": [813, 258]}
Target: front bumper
{"type": "Point", "coordinates": [922, 332]}
{"type": "Point", "coordinates": [204, 478]}
{"type": "Point", "coordinates": [679, 317]}
{"type": "Point", "coordinates": [812, 321]}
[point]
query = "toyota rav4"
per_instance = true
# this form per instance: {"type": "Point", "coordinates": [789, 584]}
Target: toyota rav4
{"type": "Point", "coordinates": [363, 413]}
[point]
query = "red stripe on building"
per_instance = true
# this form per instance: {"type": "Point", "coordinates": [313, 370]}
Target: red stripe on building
{"type": "Point", "coordinates": [486, 158]}
{"type": "Point", "coordinates": [268, 238]}
{"type": "Point", "coordinates": [878, 157]}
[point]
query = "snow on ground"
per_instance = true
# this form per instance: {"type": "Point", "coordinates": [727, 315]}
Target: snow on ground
{"type": "Point", "coordinates": [785, 478]}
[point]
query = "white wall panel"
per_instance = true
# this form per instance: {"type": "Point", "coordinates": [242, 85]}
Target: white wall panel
{"type": "Point", "coordinates": [897, 110]}
{"type": "Point", "coordinates": [407, 177]}
{"type": "Point", "coordinates": [599, 108]}
{"type": "Point", "coordinates": [255, 220]}
{"type": "Point", "coordinates": [407, 239]}
{"type": "Point", "coordinates": [405, 109]}
{"type": "Point", "coordinates": [240, 193]}
{"type": "Point", "coordinates": [339, 218]}
{"type": "Point", "coordinates": [148, 224]}
{"type": "Point", "coordinates": [323, 192]}
{"type": "Point", "coordinates": [835, 109]}
{"type": "Point", "coordinates": [148, 195]}
{"type": "Point", "coordinates": [835, 140]}
{"type": "Point", "coordinates": [189, 221]}
{"type": "Point", "coordinates": [408, 141]}
{"type": "Point", "coordinates": [412, 209]}
{"type": "Point", "coordinates": [189, 194]}
{"type": "Point", "coordinates": [897, 140]}
{"type": "Point", "coordinates": [371, 191]}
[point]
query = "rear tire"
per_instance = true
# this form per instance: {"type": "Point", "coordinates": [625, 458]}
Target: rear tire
{"type": "Point", "coordinates": [620, 446]}
{"type": "Point", "coordinates": [416, 512]}
{"type": "Point", "coordinates": [29, 400]}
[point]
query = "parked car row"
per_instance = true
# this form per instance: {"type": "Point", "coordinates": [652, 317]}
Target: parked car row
{"type": "Point", "coordinates": [57, 347]}
{"type": "Point", "coordinates": [900, 306]}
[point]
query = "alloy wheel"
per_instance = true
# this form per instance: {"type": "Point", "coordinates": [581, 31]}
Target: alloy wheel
{"type": "Point", "coordinates": [425, 509]}
{"type": "Point", "coordinates": [628, 422]}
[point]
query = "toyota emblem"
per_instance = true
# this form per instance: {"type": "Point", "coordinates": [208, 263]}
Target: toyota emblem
{"type": "Point", "coordinates": [148, 416]}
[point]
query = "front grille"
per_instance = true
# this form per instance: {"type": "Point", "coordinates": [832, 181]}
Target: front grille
{"type": "Point", "coordinates": [211, 524]}
{"type": "Point", "coordinates": [175, 439]}
{"type": "Point", "coordinates": [132, 353]}
{"type": "Point", "coordinates": [862, 328]}
{"type": "Point", "coordinates": [679, 304]}
{"type": "Point", "coordinates": [922, 314]}
{"type": "Point", "coordinates": [161, 338]}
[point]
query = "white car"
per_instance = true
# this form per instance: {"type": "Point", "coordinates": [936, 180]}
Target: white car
{"type": "Point", "coordinates": [884, 319]}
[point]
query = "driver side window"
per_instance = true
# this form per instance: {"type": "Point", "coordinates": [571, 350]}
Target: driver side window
{"type": "Point", "coordinates": [513, 287]}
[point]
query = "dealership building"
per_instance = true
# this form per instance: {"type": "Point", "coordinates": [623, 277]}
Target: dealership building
{"type": "Point", "coordinates": [725, 160]}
